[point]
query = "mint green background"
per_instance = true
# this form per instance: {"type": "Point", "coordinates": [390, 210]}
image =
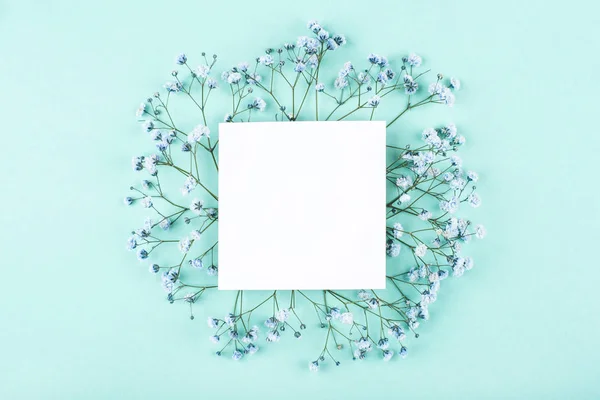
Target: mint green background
{"type": "Point", "coordinates": [80, 318]}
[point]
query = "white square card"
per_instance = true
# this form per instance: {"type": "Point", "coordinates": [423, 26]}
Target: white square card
{"type": "Point", "coordinates": [302, 205]}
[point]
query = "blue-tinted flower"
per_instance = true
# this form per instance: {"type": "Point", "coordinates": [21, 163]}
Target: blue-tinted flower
{"type": "Point", "coordinates": [454, 83]}
{"type": "Point", "coordinates": [332, 44]}
{"type": "Point", "coordinates": [146, 202]}
{"type": "Point", "coordinates": [472, 176]}
{"type": "Point", "coordinates": [198, 133]}
{"type": "Point", "coordinates": [258, 104]}
{"type": "Point", "coordinates": [173, 86]}
{"type": "Point", "coordinates": [323, 35]}
{"type": "Point", "coordinates": [181, 59]}
{"type": "Point", "coordinates": [299, 67]}
{"type": "Point", "coordinates": [131, 243]}
{"type": "Point", "coordinates": [313, 366]}
{"type": "Point", "coordinates": [341, 83]}
{"type": "Point", "coordinates": [251, 348]}
{"type": "Point", "coordinates": [267, 59]}
{"type": "Point", "coordinates": [212, 270]}
{"type": "Point", "coordinates": [211, 83]}
{"type": "Point", "coordinates": [142, 254]}
{"type": "Point", "coordinates": [202, 71]}
{"type": "Point", "coordinates": [374, 101]}
{"type": "Point", "coordinates": [450, 206]}
{"type": "Point", "coordinates": [212, 322]}
{"type": "Point", "coordinates": [140, 110]}
{"type": "Point", "coordinates": [392, 249]}
{"type": "Point", "coordinates": [404, 182]}
{"type": "Point", "coordinates": [398, 230]}
{"type": "Point", "coordinates": [237, 355]}
{"type": "Point", "coordinates": [165, 224]}
{"type": "Point", "coordinates": [480, 231]}
{"type": "Point", "coordinates": [414, 60]}
{"type": "Point", "coordinates": [189, 185]}
{"type": "Point", "coordinates": [197, 206]}
{"type": "Point", "coordinates": [127, 201]}
{"type": "Point", "coordinates": [474, 200]}
{"type": "Point", "coordinates": [233, 78]}
{"type": "Point", "coordinates": [273, 336]}
{"type": "Point", "coordinates": [387, 355]}
{"type": "Point", "coordinates": [410, 86]}
{"type": "Point", "coordinates": [403, 352]}
{"type": "Point", "coordinates": [185, 244]}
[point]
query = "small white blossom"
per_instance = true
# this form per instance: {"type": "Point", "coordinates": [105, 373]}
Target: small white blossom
{"type": "Point", "coordinates": [420, 250]}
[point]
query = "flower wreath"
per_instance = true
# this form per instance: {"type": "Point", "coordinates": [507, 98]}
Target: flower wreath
{"type": "Point", "coordinates": [427, 184]}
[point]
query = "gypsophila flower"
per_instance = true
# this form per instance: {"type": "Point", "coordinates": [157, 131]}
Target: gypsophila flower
{"type": "Point", "coordinates": [393, 249]}
{"type": "Point", "coordinates": [410, 86]}
{"type": "Point", "coordinates": [251, 348]}
{"type": "Point", "coordinates": [140, 110]}
{"type": "Point", "coordinates": [202, 71]}
{"type": "Point", "coordinates": [414, 60]}
{"type": "Point", "coordinates": [197, 133]}
{"type": "Point", "coordinates": [165, 224]}
{"type": "Point", "coordinates": [387, 355]}
{"type": "Point", "coordinates": [398, 230]}
{"type": "Point", "coordinates": [474, 200]}
{"type": "Point", "coordinates": [131, 243]}
{"type": "Point", "coordinates": [273, 336]}
{"type": "Point", "coordinates": [211, 83]}
{"type": "Point", "coordinates": [480, 231]}
{"type": "Point", "coordinates": [404, 198]}
{"type": "Point", "coordinates": [185, 244]}
{"type": "Point", "coordinates": [374, 101]}
{"type": "Point", "coordinates": [472, 176]}
{"type": "Point", "coordinates": [212, 270]}
{"type": "Point", "coordinates": [266, 60]}
{"type": "Point", "coordinates": [189, 185]}
{"type": "Point", "coordinates": [347, 318]}
{"type": "Point", "coordinates": [313, 366]}
{"type": "Point", "coordinates": [147, 202]}
{"type": "Point", "coordinates": [420, 250]}
{"type": "Point", "coordinates": [257, 104]}
{"type": "Point", "coordinates": [181, 59]}
{"type": "Point", "coordinates": [212, 322]}
{"type": "Point", "coordinates": [404, 182]}
{"type": "Point", "coordinates": [237, 355]}
{"type": "Point", "coordinates": [454, 83]}
{"type": "Point", "coordinates": [197, 206]}
{"type": "Point", "coordinates": [233, 78]}
{"type": "Point", "coordinates": [364, 295]}
{"type": "Point", "coordinates": [142, 254]}
{"type": "Point", "coordinates": [173, 86]}
{"type": "Point", "coordinates": [450, 206]}
{"type": "Point", "coordinates": [340, 83]}
{"type": "Point", "coordinates": [282, 315]}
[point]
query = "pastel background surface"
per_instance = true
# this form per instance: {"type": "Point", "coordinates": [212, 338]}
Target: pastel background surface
{"type": "Point", "coordinates": [80, 318]}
